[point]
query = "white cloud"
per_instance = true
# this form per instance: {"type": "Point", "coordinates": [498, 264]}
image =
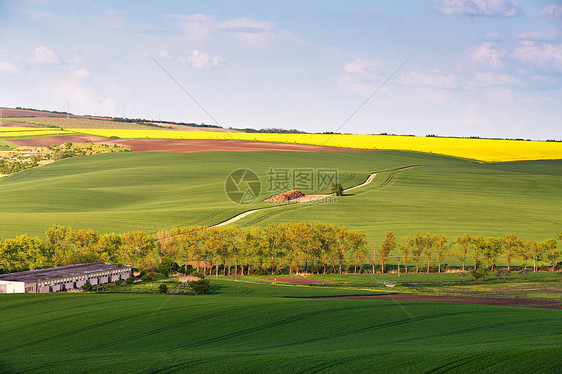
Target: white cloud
{"type": "Point", "coordinates": [81, 73]}
{"type": "Point", "coordinates": [552, 11]}
{"type": "Point", "coordinates": [359, 76]}
{"type": "Point", "coordinates": [485, 55]}
{"type": "Point", "coordinates": [363, 67]}
{"type": "Point", "coordinates": [8, 67]}
{"type": "Point", "coordinates": [552, 33]}
{"type": "Point", "coordinates": [491, 79]}
{"type": "Point", "coordinates": [44, 55]}
{"type": "Point", "coordinates": [492, 36]}
{"type": "Point", "coordinates": [436, 79]}
{"type": "Point", "coordinates": [543, 55]}
{"type": "Point", "coordinates": [199, 60]}
{"type": "Point", "coordinates": [506, 8]}
{"type": "Point", "coordinates": [200, 30]}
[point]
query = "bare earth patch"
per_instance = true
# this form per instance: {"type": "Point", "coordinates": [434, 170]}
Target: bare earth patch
{"type": "Point", "coordinates": [530, 303]}
{"type": "Point", "coordinates": [294, 280]}
{"type": "Point", "coordinates": [213, 145]}
{"type": "Point", "coordinates": [57, 140]}
{"type": "Point", "coordinates": [15, 124]}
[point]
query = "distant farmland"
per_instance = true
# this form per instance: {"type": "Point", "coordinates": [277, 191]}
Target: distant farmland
{"type": "Point", "coordinates": [488, 150]}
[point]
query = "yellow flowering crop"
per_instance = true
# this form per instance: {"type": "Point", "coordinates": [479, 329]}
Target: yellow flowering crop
{"type": "Point", "coordinates": [479, 149]}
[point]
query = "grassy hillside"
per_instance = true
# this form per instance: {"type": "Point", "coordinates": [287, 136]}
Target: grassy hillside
{"type": "Point", "coordinates": [231, 332]}
{"type": "Point", "coordinates": [148, 191]}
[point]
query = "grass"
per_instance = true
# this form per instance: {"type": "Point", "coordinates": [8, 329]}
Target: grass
{"type": "Point", "coordinates": [149, 191]}
{"type": "Point", "coordinates": [489, 150]}
{"type": "Point", "coordinates": [6, 145]}
{"type": "Point", "coordinates": [241, 329]}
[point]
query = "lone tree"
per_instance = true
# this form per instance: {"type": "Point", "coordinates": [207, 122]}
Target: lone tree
{"type": "Point", "coordinates": [337, 189]}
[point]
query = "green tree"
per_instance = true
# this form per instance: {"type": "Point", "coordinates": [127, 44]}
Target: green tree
{"type": "Point", "coordinates": [407, 247]}
{"type": "Point", "coordinates": [58, 241]}
{"type": "Point", "coordinates": [478, 248]}
{"type": "Point", "coordinates": [441, 249]}
{"type": "Point", "coordinates": [492, 250]}
{"type": "Point", "coordinates": [512, 246]}
{"type": "Point", "coordinates": [336, 189]}
{"type": "Point", "coordinates": [551, 251]}
{"type": "Point", "coordinates": [417, 249]}
{"type": "Point", "coordinates": [464, 244]}
{"type": "Point", "coordinates": [135, 246]}
{"type": "Point", "coordinates": [431, 241]}
{"type": "Point", "coordinates": [388, 245]}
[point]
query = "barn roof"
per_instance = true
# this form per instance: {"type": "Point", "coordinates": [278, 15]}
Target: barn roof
{"type": "Point", "coordinates": [59, 272]}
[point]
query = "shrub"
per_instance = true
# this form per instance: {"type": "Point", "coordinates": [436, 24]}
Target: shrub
{"type": "Point", "coordinates": [201, 286]}
{"type": "Point", "coordinates": [146, 278]}
{"type": "Point", "coordinates": [130, 280]}
{"type": "Point", "coordinates": [198, 275]}
{"type": "Point", "coordinates": [163, 288]}
{"type": "Point", "coordinates": [118, 282]}
{"type": "Point", "coordinates": [167, 266]}
{"type": "Point", "coordinates": [87, 287]}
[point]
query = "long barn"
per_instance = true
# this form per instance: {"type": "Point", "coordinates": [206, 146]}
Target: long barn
{"type": "Point", "coordinates": [63, 278]}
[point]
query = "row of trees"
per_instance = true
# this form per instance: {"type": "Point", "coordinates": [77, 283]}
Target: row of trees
{"type": "Point", "coordinates": [436, 247]}
{"type": "Point", "coordinates": [293, 247]}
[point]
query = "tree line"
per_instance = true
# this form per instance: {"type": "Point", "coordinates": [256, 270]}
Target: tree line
{"type": "Point", "coordinates": [277, 248]}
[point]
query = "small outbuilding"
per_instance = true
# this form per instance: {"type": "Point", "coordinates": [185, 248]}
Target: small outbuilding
{"type": "Point", "coordinates": [63, 278]}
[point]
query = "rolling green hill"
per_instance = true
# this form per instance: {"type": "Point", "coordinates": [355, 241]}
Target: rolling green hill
{"type": "Point", "coordinates": [245, 330]}
{"type": "Point", "coordinates": [149, 191]}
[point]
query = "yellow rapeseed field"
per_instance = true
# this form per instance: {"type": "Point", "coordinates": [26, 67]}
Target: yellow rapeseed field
{"type": "Point", "coordinates": [18, 132]}
{"type": "Point", "coordinates": [478, 149]}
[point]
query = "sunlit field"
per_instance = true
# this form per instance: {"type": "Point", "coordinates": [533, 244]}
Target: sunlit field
{"type": "Point", "coordinates": [21, 132]}
{"type": "Point", "coordinates": [489, 150]}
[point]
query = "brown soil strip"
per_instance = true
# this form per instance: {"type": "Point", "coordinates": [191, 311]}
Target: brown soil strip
{"type": "Point", "coordinates": [530, 303]}
{"type": "Point", "coordinates": [15, 124]}
{"type": "Point", "coordinates": [211, 145]}
{"type": "Point", "coordinates": [57, 140]}
{"type": "Point", "coordinates": [294, 280]}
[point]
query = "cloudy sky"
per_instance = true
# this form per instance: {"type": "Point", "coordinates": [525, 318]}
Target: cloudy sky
{"type": "Point", "coordinates": [452, 67]}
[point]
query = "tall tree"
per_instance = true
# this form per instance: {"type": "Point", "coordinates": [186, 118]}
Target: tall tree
{"type": "Point", "coordinates": [430, 243]}
{"type": "Point", "coordinates": [441, 249]}
{"type": "Point", "coordinates": [388, 245]}
{"type": "Point", "coordinates": [478, 248]}
{"type": "Point", "coordinates": [528, 252]}
{"type": "Point", "coordinates": [417, 250]}
{"type": "Point", "coordinates": [464, 244]}
{"type": "Point", "coordinates": [512, 246]}
{"type": "Point", "coordinates": [407, 247]}
{"type": "Point", "coordinates": [58, 241]}
{"type": "Point", "coordinates": [135, 246]}
{"type": "Point", "coordinates": [552, 252]}
{"type": "Point", "coordinates": [358, 241]}
{"type": "Point", "coordinates": [492, 250]}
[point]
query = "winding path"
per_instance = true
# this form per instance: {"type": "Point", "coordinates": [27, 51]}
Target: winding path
{"type": "Point", "coordinates": [247, 213]}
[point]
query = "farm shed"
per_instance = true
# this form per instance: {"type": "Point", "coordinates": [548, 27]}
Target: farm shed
{"type": "Point", "coordinates": [63, 278]}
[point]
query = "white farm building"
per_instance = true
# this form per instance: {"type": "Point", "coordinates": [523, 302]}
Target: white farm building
{"type": "Point", "coordinates": [63, 278]}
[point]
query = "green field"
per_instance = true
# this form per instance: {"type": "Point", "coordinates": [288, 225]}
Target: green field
{"type": "Point", "coordinates": [253, 328]}
{"type": "Point", "coordinates": [149, 191]}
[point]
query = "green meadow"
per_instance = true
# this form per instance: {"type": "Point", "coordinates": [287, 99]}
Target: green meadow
{"type": "Point", "coordinates": [149, 191]}
{"type": "Point", "coordinates": [248, 328]}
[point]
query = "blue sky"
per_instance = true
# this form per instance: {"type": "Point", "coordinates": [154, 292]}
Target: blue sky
{"type": "Point", "coordinates": [490, 68]}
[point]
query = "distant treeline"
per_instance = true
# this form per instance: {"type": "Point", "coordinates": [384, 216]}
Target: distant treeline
{"type": "Point", "coordinates": [273, 249]}
{"type": "Point", "coordinates": [43, 110]}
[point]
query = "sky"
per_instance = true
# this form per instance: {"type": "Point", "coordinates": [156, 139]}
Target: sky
{"type": "Point", "coordinates": [488, 68]}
